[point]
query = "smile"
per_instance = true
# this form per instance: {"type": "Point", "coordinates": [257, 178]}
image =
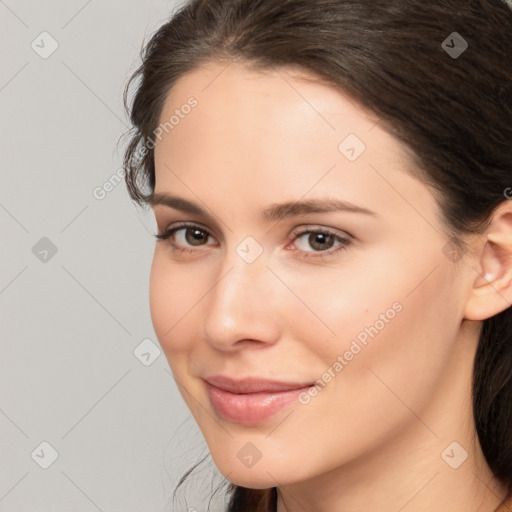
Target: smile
{"type": "Point", "coordinates": [251, 401]}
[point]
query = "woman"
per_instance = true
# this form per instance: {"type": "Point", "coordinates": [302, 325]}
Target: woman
{"type": "Point", "coordinates": [332, 278]}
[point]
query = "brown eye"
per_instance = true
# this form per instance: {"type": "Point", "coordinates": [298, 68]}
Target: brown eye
{"type": "Point", "coordinates": [195, 236]}
{"type": "Point", "coordinates": [320, 241]}
{"type": "Point", "coordinates": [186, 236]}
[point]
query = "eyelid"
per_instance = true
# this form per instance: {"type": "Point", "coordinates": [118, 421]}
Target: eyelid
{"type": "Point", "coordinates": [168, 223]}
{"type": "Point", "coordinates": [169, 231]}
{"type": "Point", "coordinates": [312, 228]}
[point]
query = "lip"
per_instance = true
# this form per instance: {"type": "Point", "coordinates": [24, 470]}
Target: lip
{"type": "Point", "coordinates": [250, 401]}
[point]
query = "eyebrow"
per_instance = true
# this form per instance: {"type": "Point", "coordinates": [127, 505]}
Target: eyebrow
{"type": "Point", "coordinates": [274, 212]}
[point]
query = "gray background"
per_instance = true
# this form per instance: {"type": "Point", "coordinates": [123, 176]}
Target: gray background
{"type": "Point", "coordinates": [72, 320]}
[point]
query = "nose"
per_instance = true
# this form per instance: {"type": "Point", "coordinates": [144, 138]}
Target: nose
{"type": "Point", "coordinates": [241, 307]}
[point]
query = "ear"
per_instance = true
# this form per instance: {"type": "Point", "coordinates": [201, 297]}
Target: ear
{"type": "Point", "coordinates": [491, 292]}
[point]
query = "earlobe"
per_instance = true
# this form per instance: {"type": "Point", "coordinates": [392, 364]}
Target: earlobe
{"type": "Point", "coordinates": [491, 292]}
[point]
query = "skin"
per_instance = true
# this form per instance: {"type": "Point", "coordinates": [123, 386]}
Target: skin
{"type": "Point", "coordinates": [372, 438]}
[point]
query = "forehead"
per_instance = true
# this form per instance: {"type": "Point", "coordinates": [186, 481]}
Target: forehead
{"type": "Point", "coordinates": [257, 136]}
{"type": "Point", "coordinates": [279, 111]}
{"type": "Point", "coordinates": [221, 88]}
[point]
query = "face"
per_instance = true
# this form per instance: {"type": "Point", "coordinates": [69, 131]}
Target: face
{"type": "Point", "coordinates": [344, 297]}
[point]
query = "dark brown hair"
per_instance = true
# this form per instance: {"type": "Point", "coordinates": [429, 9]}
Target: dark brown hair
{"type": "Point", "coordinates": [452, 112]}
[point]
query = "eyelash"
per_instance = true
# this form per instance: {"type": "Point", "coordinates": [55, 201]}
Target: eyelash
{"type": "Point", "coordinates": [344, 242]}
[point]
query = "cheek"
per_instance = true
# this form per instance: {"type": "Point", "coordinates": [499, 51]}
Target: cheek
{"type": "Point", "coordinates": [172, 296]}
{"type": "Point", "coordinates": [340, 310]}
{"type": "Point", "coordinates": [406, 360]}
{"type": "Point", "coordinates": [396, 369]}
{"type": "Point", "coordinates": [399, 325]}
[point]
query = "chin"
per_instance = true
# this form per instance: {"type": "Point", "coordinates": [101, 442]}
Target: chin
{"type": "Point", "coordinates": [265, 473]}
{"type": "Point", "coordinates": [251, 480]}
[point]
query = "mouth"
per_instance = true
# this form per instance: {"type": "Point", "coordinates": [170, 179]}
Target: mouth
{"type": "Point", "coordinates": [251, 401]}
